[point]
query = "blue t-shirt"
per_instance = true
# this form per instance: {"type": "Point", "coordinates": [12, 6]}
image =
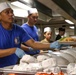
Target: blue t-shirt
{"type": "Point", "coordinates": [33, 32]}
{"type": "Point", "coordinates": [11, 39]}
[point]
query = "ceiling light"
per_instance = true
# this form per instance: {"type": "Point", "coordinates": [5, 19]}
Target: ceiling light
{"type": "Point", "coordinates": [72, 27]}
{"type": "Point", "coordinates": [21, 5]}
{"type": "Point", "coordinates": [22, 14]}
{"type": "Point", "coordinates": [68, 21]}
{"type": "Point", "coordinates": [27, 1]}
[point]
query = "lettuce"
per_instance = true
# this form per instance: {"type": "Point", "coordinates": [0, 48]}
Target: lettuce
{"type": "Point", "coordinates": [62, 39]}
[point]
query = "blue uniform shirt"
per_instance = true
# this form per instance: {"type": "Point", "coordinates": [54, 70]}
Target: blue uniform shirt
{"type": "Point", "coordinates": [11, 39]}
{"type": "Point", "coordinates": [33, 32]}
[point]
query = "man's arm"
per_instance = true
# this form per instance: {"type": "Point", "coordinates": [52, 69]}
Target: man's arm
{"type": "Point", "coordinates": [44, 46]}
{"type": "Point", "coordinates": [25, 48]}
{"type": "Point", "coordinates": [37, 45]}
{"type": "Point", "coordinates": [7, 52]}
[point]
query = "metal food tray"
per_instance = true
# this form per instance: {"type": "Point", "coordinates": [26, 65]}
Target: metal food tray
{"type": "Point", "coordinates": [47, 54]}
{"type": "Point", "coordinates": [9, 69]}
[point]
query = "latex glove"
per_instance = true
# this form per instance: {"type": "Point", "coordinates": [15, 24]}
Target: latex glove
{"type": "Point", "coordinates": [49, 51]}
{"type": "Point", "coordinates": [31, 49]}
{"type": "Point", "coordinates": [55, 45]}
{"type": "Point", "coordinates": [19, 52]}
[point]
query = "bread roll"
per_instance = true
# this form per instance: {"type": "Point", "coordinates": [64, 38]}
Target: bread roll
{"type": "Point", "coordinates": [71, 68]}
{"type": "Point", "coordinates": [69, 39]}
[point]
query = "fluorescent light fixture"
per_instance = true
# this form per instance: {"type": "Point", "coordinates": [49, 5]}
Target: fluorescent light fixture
{"type": "Point", "coordinates": [72, 27]}
{"type": "Point", "coordinates": [21, 5]}
{"type": "Point", "coordinates": [22, 14]}
{"type": "Point", "coordinates": [27, 1]}
{"type": "Point", "coordinates": [68, 21]}
{"type": "Point", "coordinates": [22, 10]}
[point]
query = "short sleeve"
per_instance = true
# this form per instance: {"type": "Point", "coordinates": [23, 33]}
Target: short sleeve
{"type": "Point", "coordinates": [24, 35]}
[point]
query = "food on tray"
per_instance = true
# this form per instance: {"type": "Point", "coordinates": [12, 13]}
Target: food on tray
{"type": "Point", "coordinates": [60, 73]}
{"type": "Point", "coordinates": [41, 73]}
{"type": "Point", "coordinates": [47, 66]}
{"type": "Point", "coordinates": [12, 74]}
{"type": "Point", "coordinates": [34, 67]}
{"type": "Point", "coordinates": [62, 39]}
{"type": "Point", "coordinates": [67, 39]}
{"type": "Point", "coordinates": [28, 59]}
{"type": "Point", "coordinates": [23, 64]}
{"type": "Point", "coordinates": [44, 73]}
{"type": "Point", "coordinates": [16, 67]}
{"type": "Point", "coordinates": [51, 74]}
{"type": "Point", "coordinates": [71, 69]}
{"type": "Point", "coordinates": [49, 63]}
{"type": "Point", "coordinates": [20, 67]}
{"type": "Point", "coordinates": [55, 69]}
{"type": "Point", "coordinates": [40, 58]}
{"type": "Point", "coordinates": [31, 67]}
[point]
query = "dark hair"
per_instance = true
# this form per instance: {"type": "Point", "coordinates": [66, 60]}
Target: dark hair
{"type": "Point", "coordinates": [61, 29]}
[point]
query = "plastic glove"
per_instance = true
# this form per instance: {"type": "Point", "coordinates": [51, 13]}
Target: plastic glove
{"type": "Point", "coordinates": [31, 49]}
{"type": "Point", "coordinates": [64, 45]}
{"type": "Point", "coordinates": [55, 45]}
{"type": "Point", "coordinates": [49, 51]}
{"type": "Point", "coordinates": [19, 52]}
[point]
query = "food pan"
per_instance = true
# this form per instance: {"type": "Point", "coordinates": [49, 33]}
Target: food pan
{"type": "Point", "coordinates": [9, 70]}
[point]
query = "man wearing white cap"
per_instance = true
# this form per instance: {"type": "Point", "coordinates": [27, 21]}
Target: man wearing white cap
{"type": "Point", "coordinates": [47, 35]}
{"type": "Point", "coordinates": [31, 29]}
{"type": "Point", "coordinates": [11, 37]}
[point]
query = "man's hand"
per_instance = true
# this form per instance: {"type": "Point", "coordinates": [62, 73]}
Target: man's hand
{"type": "Point", "coordinates": [19, 52]}
{"type": "Point", "coordinates": [55, 45]}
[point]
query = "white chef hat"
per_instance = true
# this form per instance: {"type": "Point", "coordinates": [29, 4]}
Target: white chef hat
{"type": "Point", "coordinates": [47, 29]}
{"type": "Point", "coordinates": [32, 10]}
{"type": "Point", "coordinates": [3, 6]}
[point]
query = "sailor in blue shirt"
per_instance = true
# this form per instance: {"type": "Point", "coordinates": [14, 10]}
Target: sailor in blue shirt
{"type": "Point", "coordinates": [31, 29]}
{"type": "Point", "coordinates": [11, 37]}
